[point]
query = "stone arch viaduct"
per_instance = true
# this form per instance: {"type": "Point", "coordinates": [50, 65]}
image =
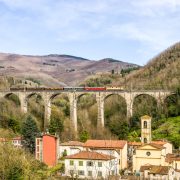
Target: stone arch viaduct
{"type": "Point", "coordinates": [48, 95]}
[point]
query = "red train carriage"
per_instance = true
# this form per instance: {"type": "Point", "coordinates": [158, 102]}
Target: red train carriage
{"type": "Point", "coordinates": [94, 88]}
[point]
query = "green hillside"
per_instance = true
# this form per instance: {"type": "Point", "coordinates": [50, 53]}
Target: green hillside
{"type": "Point", "coordinates": [162, 72]}
{"type": "Point", "coordinates": [169, 129]}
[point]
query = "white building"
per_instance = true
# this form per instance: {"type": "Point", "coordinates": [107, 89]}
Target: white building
{"type": "Point", "coordinates": [70, 148]}
{"type": "Point", "coordinates": [157, 172]}
{"type": "Point", "coordinates": [173, 160]}
{"type": "Point", "coordinates": [116, 148]}
{"type": "Point", "coordinates": [167, 145]}
{"type": "Point", "coordinates": [17, 141]}
{"type": "Point", "coordinates": [91, 165]}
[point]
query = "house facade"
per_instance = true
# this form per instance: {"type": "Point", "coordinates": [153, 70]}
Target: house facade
{"type": "Point", "coordinates": [17, 141]}
{"type": "Point", "coordinates": [157, 172]}
{"type": "Point", "coordinates": [70, 148]}
{"type": "Point", "coordinates": [47, 149]}
{"type": "Point", "coordinates": [148, 154]}
{"type": "Point", "coordinates": [116, 148]}
{"type": "Point", "coordinates": [173, 160]}
{"type": "Point", "coordinates": [91, 165]}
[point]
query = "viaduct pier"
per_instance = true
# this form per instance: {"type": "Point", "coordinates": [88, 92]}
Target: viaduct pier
{"type": "Point", "coordinates": [73, 96]}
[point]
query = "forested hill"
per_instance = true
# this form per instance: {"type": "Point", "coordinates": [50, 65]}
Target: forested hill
{"type": "Point", "coordinates": [162, 72]}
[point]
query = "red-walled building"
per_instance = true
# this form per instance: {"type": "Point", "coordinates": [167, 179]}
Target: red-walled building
{"type": "Point", "coordinates": [47, 149]}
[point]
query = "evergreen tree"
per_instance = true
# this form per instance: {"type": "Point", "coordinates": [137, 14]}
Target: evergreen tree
{"type": "Point", "coordinates": [56, 126]}
{"type": "Point", "coordinates": [29, 132]}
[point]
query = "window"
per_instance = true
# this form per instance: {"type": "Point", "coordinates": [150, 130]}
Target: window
{"type": "Point", "coordinates": [81, 173]}
{"type": "Point", "coordinates": [37, 141]}
{"type": "Point", "coordinates": [99, 164]}
{"type": "Point", "coordinates": [145, 140]}
{"type": "Point", "coordinates": [148, 153]}
{"type": "Point", "coordinates": [145, 124]}
{"type": "Point", "coordinates": [37, 148]}
{"type": "Point", "coordinates": [89, 163]}
{"type": "Point", "coordinates": [99, 173]}
{"type": "Point", "coordinates": [80, 163]}
{"type": "Point", "coordinates": [71, 163]}
{"type": "Point", "coordinates": [89, 173]}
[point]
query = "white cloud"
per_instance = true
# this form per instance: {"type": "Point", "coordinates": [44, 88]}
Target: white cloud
{"type": "Point", "coordinates": [152, 23]}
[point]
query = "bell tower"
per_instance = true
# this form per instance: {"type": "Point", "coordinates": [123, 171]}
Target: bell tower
{"type": "Point", "coordinates": [146, 129]}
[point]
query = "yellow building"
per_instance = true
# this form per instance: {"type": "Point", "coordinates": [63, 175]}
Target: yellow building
{"type": "Point", "coordinates": [149, 154]}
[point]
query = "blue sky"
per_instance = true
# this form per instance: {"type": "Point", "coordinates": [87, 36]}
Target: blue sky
{"type": "Point", "coordinates": [128, 30]}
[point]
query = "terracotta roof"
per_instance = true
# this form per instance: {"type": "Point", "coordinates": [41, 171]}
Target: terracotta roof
{"type": "Point", "coordinates": [145, 117]}
{"type": "Point", "coordinates": [172, 157]}
{"type": "Point", "coordinates": [17, 138]}
{"type": "Point", "coordinates": [159, 142]}
{"type": "Point", "coordinates": [105, 144]}
{"type": "Point", "coordinates": [134, 143]}
{"type": "Point", "coordinates": [90, 155]}
{"type": "Point", "coordinates": [3, 140]}
{"type": "Point", "coordinates": [163, 170]}
{"type": "Point", "coordinates": [145, 167]}
{"type": "Point", "coordinates": [72, 143]}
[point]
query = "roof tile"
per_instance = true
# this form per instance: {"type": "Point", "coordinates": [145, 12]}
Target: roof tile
{"type": "Point", "coordinates": [90, 155]}
{"type": "Point", "coordinates": [107, 144]}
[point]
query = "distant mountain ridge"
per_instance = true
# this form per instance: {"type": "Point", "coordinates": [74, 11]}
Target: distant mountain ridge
{"type": "Point", "coordinates": [57, 69]}
{"type": "Point", "coordinates": [66, 56]}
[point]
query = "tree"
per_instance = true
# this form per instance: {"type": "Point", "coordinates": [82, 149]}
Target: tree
{"type": "Point", "coordinates": [84, 136]}
{"type": "Point", "coordinates": [56, 126]}
{"type": "Point", "coordinates": [17, 164]}
{"type": "Point", "coordinates": [29, 133]}
{"type": "Point", "coordinates": [120, 129]}
{"type": "Point", "coordinates": [14, 125]}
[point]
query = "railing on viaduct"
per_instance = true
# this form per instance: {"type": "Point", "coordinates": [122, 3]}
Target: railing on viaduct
{"type": "Point", "coordinates": [48, 95]}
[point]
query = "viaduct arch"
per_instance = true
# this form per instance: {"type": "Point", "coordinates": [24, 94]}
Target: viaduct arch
{"type": "Point", "coordinates": [48, 95]}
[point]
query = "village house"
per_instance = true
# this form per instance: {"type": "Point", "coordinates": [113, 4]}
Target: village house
{"type": "Point", "coordinates": [148, 154]}
{"type": "Point", "coordinates": [116, 148]}
{"type": "Point", "coordinates": [16, 141]}
{"type": "Point", "coordinates": [91, 165]}
{"type": "Point", "coordinates": [70, 148]}
{"type": "Point", "coordinates": [46, 150]}
{"type": "Point", "coordinates": [173, 160]}
{"type": "Point", "coordinates": [157, 172]}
